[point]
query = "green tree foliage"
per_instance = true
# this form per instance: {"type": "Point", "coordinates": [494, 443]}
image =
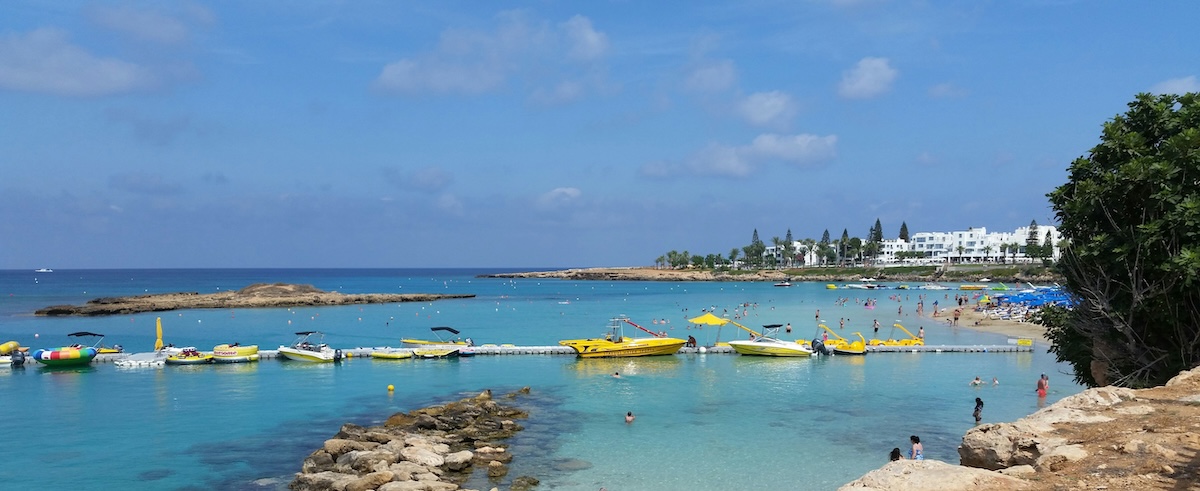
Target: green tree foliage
{"type": "Point", "coordinates": [1130, 214]}
{"type": "Point", "coordinates": [904, 231]}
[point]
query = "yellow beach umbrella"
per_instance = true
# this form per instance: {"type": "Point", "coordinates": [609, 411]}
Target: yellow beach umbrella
{"type": "Point", "coordinates": [158, 344]}
{"type": "Point", "coordinates": [709, 319]}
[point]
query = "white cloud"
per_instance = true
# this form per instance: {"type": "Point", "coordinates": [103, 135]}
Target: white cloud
{"type": "Point", "coordinates": [559, 197]}
{"type": "Point", "coordinates": [870, 77]}
{"type": "Point", "coordinates": [741, 161]}
{"type": "Point", "coordinates": [947, 91]}
{"type": "Point", "coordinates": [45, 61]}
{"type": "Point", "coordinates": [586, 42]}
{"type": "Point", "coordinates": [712, 76]}
{"type": "Point", "coordinates": [1181, 85]}
{"type": "Point", "coordinates": [434, 75]}
{"type": "Point", "coordinates": [143, 25]}
{"type": "Point", "coordinates": [773, 108]}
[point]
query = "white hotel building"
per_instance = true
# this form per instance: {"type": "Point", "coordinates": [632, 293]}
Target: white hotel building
{"type": "Point", "coordinates": [978, 245]}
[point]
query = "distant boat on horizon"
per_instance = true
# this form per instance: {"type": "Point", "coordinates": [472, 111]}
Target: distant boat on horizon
{"type": "Point", "coordinates": [43, 270]}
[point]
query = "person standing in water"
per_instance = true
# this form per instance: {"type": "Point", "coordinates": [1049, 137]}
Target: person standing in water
{"type": "Point", "coordinates": [629, 417]}
{"type": "Point", "coordinates": [978, 410]}
{"type": "Point", "coordinates": [917, 452]}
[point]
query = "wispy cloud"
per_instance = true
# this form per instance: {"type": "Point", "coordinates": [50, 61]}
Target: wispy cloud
{"type": "Point", "coordinates": [586, 42]}
{"type": "Point", "coordinates": [559, 197]}
{"type": "Point", "coordinates": [429, 179]}
{"type": "Point", "coordinates": [711, 76]}
{"type": "Point", "coordinates": [869, 78]}
{"type": "Point", "coordinates": [773, 108]}
{"type": "Point", "coordinates": [474, 61]}
{"type": "Point", "coordinates": [947, 90]}
{"type": "Point", "coordinates": [1180, 85]}
{"type": "Point", "coordinates": [45, 61]}
{"type": "Point", "coordinates": [741, 161]}
{"type": "Point", "coordinates": [142, 25]}
{"type": "Point", "coordinates": [144, 183]}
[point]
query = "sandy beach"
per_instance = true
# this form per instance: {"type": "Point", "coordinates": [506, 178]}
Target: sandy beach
{"type": "Point", "coordinates": [972, 319]}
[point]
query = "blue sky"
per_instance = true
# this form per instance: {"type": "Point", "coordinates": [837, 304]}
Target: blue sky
{"type": "Point", "coordinates": [411, 134]}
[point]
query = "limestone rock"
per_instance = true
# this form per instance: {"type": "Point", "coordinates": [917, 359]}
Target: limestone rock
{"type": "Point", "coordinates": [321, 481]}
{"type": "Point", "coordinates": [369, 481]}
{"type": "Point", "coordinates": [524, 483]}
{"type": "Point", "coordinates": [1059, 455]}
{"type": "Point", "coordinates": [459, 460]}
{"type": "Point", "coordinates": [404, 486]}
{"type": "Point", "coordinates": [902, 475]}
{"type": "Point", "coordinates": [496, 469]}
{"type": "Point", "coordinates": [423, 456]}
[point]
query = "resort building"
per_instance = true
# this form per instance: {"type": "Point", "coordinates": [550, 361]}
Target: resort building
{"type": "Point", "coordinates": [974, 245]}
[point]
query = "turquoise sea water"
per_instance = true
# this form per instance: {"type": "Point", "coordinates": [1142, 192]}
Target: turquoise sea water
{"type": "Point", "coordinates": [703, 421]}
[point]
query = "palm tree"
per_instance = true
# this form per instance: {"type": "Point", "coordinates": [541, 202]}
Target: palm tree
{"type": "Point", "coordinates": [659, 262]}
{"type": "Point", "coordinates": [987, 251]}
{"type": "Point", "coordinates": [778, 243]}
{"type": "Point", "coordinates": [960, 250]}
{"type": "Point", "coordinates": [733, 254]}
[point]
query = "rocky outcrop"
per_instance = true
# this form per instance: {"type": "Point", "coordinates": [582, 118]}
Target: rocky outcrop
{"type": "Point", "coordinates": [1102, 438]}
{"type": "Point", "coordinates": [434, 448]}
{"type": "Point", "coordinates": [930, 474]}
{"type": "Point", "coordinates": [259, 295]}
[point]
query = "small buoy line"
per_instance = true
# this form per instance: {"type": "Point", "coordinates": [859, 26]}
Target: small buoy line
{"type": "Point", "coordinates": [149, 359]}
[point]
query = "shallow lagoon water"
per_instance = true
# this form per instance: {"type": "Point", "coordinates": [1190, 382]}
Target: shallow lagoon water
{"type": "Point", "coordinates": [703, 421]}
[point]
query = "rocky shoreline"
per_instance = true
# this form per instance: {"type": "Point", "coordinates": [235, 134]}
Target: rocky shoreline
{"type": "Point", "coordinates": [259, 295]}
{"type": "Point", "coordinates": [1102, 438]}
{"type": "Point", "coordinates": [437, 448]}
{"type": "Point", "coordinates": [656, 274]}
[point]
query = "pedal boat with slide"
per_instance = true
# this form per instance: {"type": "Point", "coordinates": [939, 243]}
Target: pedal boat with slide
{"type": "Point", "coordinates": [302, 349]}
{"type": "Point", "coordinates": [769, 344]}
{"type": "Point", "coordinates": [234, 353]}
{"type": "Point", "coordinates": [70, 356]}
{"type": "Point", "coordinates": [614, 344]}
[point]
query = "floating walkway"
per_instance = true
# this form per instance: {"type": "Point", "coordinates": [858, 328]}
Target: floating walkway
{"type": "Point", "coordinates": [142, 360]}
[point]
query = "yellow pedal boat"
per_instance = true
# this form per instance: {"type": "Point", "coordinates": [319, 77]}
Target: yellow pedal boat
{"type": "Point", "coordinates": [189, 356]}
{"type": "Point", "coordinates": [615, 344]}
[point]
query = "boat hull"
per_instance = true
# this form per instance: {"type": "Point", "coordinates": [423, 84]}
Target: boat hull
{"type": "Point", "coordinates": [325, 355]}
{"type": "Point", "coordinates": [435, 352]}
{"type": "Point", "coordinates": [65, 357]}
{"type": "Point", "coordinates": [422, 343]}
{"type": "Point", "coordinates": [769, 348]}
{"type": "Point", "coordinates": [224, 353]}
{"type": "Point", "coordinates": [627, 347]}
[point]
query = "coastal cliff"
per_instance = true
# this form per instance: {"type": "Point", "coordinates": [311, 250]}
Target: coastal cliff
{"type": "Point", "coordinates": [1102, 438]}
{"type": "Point", "coordinates": [259, 295]}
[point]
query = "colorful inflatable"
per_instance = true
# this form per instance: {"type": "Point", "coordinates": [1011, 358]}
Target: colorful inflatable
{"type": "Point", "coordinates": [65, 357]}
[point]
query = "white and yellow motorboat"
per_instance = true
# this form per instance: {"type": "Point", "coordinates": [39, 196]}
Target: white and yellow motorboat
{"type": "Point", "coordinates": [767, 344]}
{"type": "Point", "coordinates": [305, 350]}
{"type": "Point", "coordinates": [615, 344]}
{"type": "Point", "coordinates": [235, 353]}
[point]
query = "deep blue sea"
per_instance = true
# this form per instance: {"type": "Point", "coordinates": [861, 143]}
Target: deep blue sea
{"type": "Point", "coordinates": [704, 422]}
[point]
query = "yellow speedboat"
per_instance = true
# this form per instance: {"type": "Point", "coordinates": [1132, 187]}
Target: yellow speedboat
{"type": "Point", "coordinates": [615, 344]}
{"type": "Point", "coordinates": [768, 344]}
{"type": "Point", "coordinates": [235, 353]}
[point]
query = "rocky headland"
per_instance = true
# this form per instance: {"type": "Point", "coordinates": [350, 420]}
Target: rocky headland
{"type": "Point", "coordinates": [1107, 438]}
{"type": "Point", "coordinates": [259, 295]}
{"type": "Point", "coordinates": [656, 274]}
{"type": "Point", "coordinates": [437, 448]}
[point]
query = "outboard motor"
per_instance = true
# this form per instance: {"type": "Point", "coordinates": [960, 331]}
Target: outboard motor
{"type": "Point", "coordinates": [18, 359]}
{"type": "Point", "coordinates": [337, 355]}
{"type": "Point", "coordinates": [819, 347]}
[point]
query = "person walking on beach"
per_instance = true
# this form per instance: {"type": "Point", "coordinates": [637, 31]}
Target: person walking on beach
{"type": "Point", "coordinates": [978, 410]}
{"type": "Point", "coordinates": [917, 452]}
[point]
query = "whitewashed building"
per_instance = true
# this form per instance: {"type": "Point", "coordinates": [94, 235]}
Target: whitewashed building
{"type": "Point", "coordinates": [974, 245]}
